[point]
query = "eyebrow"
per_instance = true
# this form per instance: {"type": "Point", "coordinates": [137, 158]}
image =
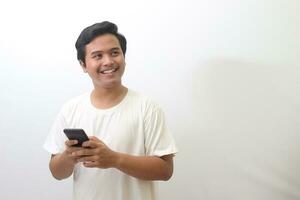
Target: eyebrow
{"type": "Point", "coordinates": [112, 49]}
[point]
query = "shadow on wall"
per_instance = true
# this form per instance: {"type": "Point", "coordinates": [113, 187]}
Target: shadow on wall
{"type": "Point", "coordinates": [240, 131]}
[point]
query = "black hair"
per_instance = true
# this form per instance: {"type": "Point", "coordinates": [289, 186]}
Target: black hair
{"type": "Point", "coordinates": [91, 32]}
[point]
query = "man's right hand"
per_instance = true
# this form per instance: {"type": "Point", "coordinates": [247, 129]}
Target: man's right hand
{"type": "Point", "coordinates": [62, 165]}
{"type": "Point", "coordinates": [70, 149]}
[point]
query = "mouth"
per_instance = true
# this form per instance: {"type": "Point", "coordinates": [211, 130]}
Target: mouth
{"type": "Point", "coordinates": [109, 71]}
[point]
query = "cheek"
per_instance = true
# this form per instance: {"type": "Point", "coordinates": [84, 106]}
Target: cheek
{"type": "Point", "coordinates": [122, 64]}
{"type": "Point", "coordinates": [122, 68]}
{"type": "Point", "coordinates": [92, 65]}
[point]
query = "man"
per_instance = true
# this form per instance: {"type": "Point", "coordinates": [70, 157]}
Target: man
{"type": "Point", "coordinates": [129, 143]}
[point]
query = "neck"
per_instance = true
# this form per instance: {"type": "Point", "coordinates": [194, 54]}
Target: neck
{"type": "Point", "coordinates": [104, 98]}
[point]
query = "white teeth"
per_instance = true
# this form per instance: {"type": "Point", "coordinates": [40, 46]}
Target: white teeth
{"type": "Point", "coordinates": [108, 71]}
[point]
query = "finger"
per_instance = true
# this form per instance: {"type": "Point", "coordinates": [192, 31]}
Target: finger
{"type": "Point", "coordinates": [72, 152]}
{"type": "Point", "coordinates": [71, 142]}
{"type": "Point", "coordinates": [83, 152]}
{"type": "Point", "coordinates": [90, 164]}
{"type": "Point", "coordinates": [90, 144]}
{"type": "Point", "coordinates": [71, 149]}
{"type": "Point", "coordinates": [94, 138]}
{"type": "Point", "coordinates": [87, 159]}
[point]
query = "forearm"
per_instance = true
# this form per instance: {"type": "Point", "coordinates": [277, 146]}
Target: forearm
{"type": "Point", "coordinates": [146, 167]}
{"type": "Point", "coordinates": [61, 167]}
{"type": "Point", "coordinates": [96, 154]}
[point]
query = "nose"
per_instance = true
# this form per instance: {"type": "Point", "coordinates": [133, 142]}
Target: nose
{"type": "Point", "coordinates": [107, 60]}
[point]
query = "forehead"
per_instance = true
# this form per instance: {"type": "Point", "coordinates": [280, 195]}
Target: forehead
{"type": "Point", "coordinates": [103, 43]}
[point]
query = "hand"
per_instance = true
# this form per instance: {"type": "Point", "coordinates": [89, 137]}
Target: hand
{"type": "Point", "coordinates": [70, 149]}
{"type": "Point", "coordinates": [96, 154]}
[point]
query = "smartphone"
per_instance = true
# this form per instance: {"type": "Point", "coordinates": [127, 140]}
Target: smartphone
{"type": "Point", "coordinates": [76, 134]}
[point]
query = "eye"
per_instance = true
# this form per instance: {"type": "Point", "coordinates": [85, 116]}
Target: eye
{"type": "Point", "coordinates": [115, 53]}
{"type": "Point", "coordinates": [97, 56]}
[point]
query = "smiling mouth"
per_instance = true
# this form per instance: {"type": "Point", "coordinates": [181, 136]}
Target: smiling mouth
{"type": "Point", "coordinates": [109, 71]}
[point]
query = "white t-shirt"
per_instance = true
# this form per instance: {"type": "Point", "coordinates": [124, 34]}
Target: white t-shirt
{"type": "Point", "coordinates": [135, 126]}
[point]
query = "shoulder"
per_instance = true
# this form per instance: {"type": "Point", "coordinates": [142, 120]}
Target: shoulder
{"type": "Point", "coordinates": [144, 102]}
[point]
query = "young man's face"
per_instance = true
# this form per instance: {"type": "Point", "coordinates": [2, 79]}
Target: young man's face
{"type": "Point", "coordinates": [104, 61]}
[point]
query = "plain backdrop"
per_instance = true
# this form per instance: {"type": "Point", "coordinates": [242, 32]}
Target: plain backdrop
{"type": "Point", "coordinates": [226, 73]}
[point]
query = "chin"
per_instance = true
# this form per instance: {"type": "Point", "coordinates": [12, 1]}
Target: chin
{"type": "Point", "coordinates": [110, 85]}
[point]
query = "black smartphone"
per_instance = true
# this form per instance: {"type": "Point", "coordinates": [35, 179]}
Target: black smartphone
{"type": "Point", "coordinates": [76, 134]}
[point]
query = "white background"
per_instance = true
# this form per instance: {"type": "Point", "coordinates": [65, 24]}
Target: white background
{"type": "Point", "coordinates": [226, 72]}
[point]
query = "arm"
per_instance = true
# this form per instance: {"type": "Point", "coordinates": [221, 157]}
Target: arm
{"type": "Point", "coordinates": [141, 167]}
{"type": "Point", "coordinates": [62, 165]}
{"type": "Point", "coordinates": [146, 167]}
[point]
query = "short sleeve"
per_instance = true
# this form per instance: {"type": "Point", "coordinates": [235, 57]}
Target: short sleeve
{"type": "Point", "coordinates": [158, 139]}
{"type": "Point", "coordinates": [55, 141]}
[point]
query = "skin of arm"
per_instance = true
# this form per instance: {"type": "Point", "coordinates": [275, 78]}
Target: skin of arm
{"type": "Point", "coordinates": [62, 165]}
{"type": "Point", "coordinates": [146, 167]}
{"type": "Point", "coordinates": [142, 167]}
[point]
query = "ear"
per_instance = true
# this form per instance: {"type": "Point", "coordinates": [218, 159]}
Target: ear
{"type": "Point", "coordinates": [83, 66]}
